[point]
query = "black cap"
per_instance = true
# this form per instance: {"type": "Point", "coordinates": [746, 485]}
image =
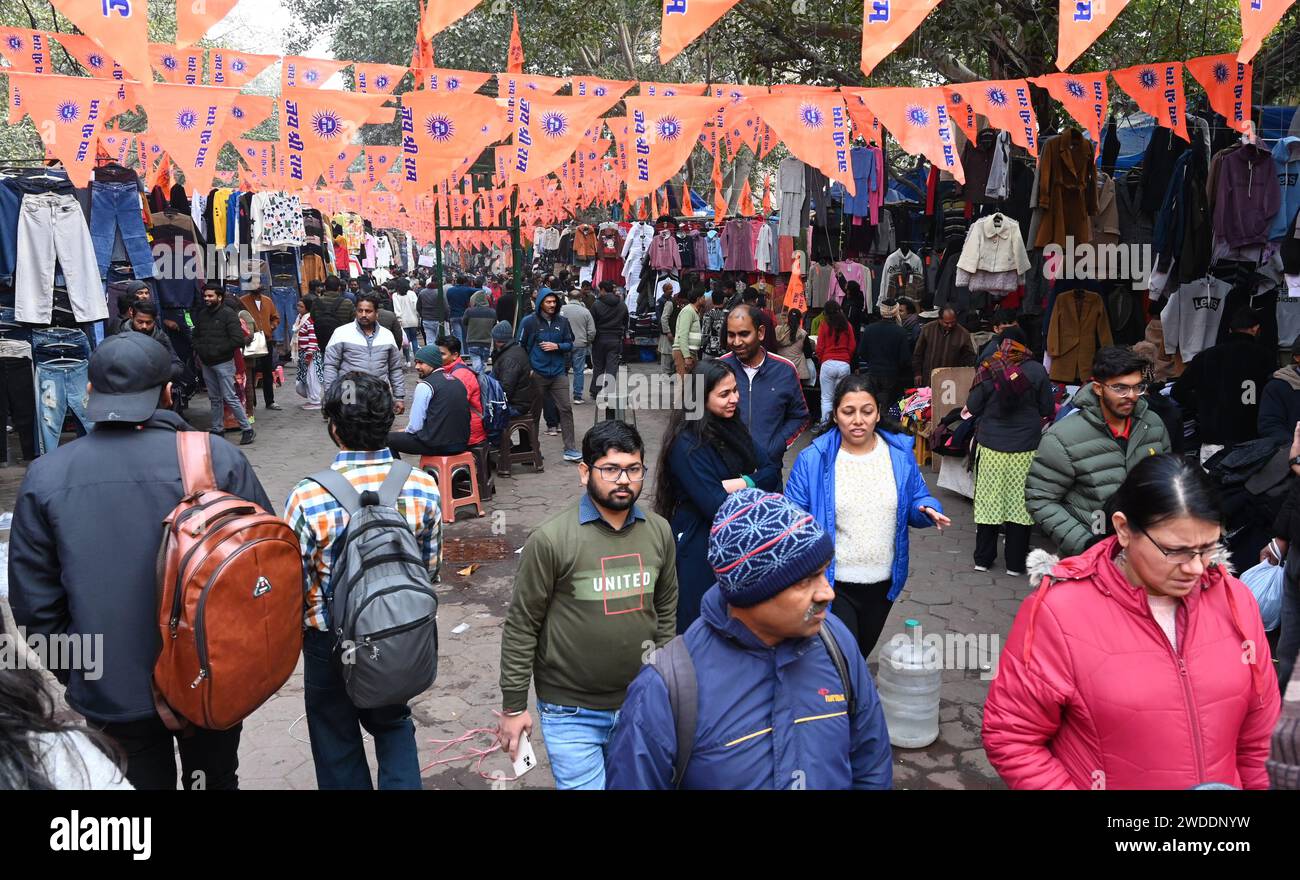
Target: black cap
{"type": "Point", "coordinates": [127, 373]}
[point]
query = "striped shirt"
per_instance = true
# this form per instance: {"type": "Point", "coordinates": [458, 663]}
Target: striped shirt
{"type": "Point", "coordinates": [317, 519]}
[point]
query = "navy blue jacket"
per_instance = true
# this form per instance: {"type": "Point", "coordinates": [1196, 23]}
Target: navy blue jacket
{"type": "Point", "coordinates": [458, 296]}
{"type": "Point", "coordinates": [768, 716]}
{"type": "Point", "coordinates": [697, 472]}
{"type": "Point", "coordinates": [535, 330]}
{"type": "Point", "coordinates": [812, 487]}
{"type": "Point", "coordinates": [772, 405]}
{"type": "Point", "coordinates": [84, 544]}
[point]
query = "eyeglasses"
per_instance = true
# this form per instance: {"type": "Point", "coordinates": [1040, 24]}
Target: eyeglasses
{"type": "Point", "coordinates": [1183, 556]}
{"type": "Point", "coordinates": [612, 473]}
{"type": "Point", "coordinates": [1129, 390]}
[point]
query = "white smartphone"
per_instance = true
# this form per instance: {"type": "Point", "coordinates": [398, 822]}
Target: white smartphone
{"type": "Point", "coordinates": [526, 760]}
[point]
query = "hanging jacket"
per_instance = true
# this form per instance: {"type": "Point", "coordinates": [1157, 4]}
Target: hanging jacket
{"type": "Point", "coordinates": [1286, 161]}
{"type": "Point", "coordinates": [1090, 694]}
{"type": "Point", "coordinates": [1067, 189]}
{"type": "Point", "coordinates": [1075, 335]}
{"type": "Point", "coordinates": [812, 487]}
{"type": "Point", "coordinates": [1079, 465]}
{"type": "Point", "coordinates": [1246, 196]}
{"type": "Point", "coordinates": [766, 717]}
{"type": "Point", "coordinates": [1223, 385]}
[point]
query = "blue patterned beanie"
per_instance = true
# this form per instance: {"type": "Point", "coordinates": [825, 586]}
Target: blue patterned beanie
{"type": "Point", "coordinates": [762, 544]}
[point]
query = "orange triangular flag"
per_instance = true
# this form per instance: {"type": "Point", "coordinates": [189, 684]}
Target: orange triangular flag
{"type": "Point", "coordinates": [673, 90]}
{"type": "Point", "coordinates": [686, 197]}
{"type": "Point", "coordinates": [960, 110]}
{"type": "Point", "coordinates": [187, 122]}
{"type": "Point", "coordinates": [68, 111]}
{"type": "Point", "coordinates": [590, 86]}
{"type": "Point", "coordinates": [737, 118]}
{"type": "Point", "coordinates": [440, 13]}
{"type": "Point", "coordinates": [336, 170]}
{"type": "Point", "coordinates": [116, 145]}
{"type": "Point", "coordinates": [248, 112]}
{"type": "Point", "coordinates": [684, 21]}
{"type": "Point", "coordinates": [1007, 106]}
{"type": "Point", "coordinates": [308, 73]}
{"type": "Point", "coordinates": [1258, 18]}
{"type": "Point", "coordinates": [918, 119]}
{"type": "Point", "coordinates": [814, 127]}
{"type": "Point", "coordinates": [194, 18]}
{"type": "Point", "coordinates": [864, 121]}
{"type": "Point", "coordinates": [119, 27]}
{"type": "Point", "coordinates": [315, 123]}
{"type": "Point", "coordinates": [1227, 84]}
{"type": "Point", "coordinates": [257, 156]}
{"type": "Point", "coordinates": [181, 66]}
{"type": "Point", "coordinates": [442, 131]}
{"type": "Point", "coordinates": [664, 131]}
{"type": "Point", "coordinates": [91, 56]}
{"type": "Point", "coordinates": [377, 79]}
{"type": "Point", "coordinates": [627, 207]}
{"type": "Point", "coordinates": [26, 50]}
{"type": "Point", "coordinates": [886, 24]}
{"type": "Point", "coordinates": [1085, 96]}
{"type": "Point", "coordinates": [511, 86]}
{"type": "Point", "coordinates": [654, 205]}
{"type": "Point", "coordinates": [515, 55]}
{"type": "Point", "coordinates": [794, 294]}
{"type": "Point", "coordinates": [1158, 89]}
{"type": "Point", "coordinates": [642, 209]}
{"type": "Point", "coordinates": [549, 129]}
{"type": "Point", "coordinates": [767, 195]}
{"type": "Point", "coordinates": [746, 199]}
{"type": "Point", "coordinates": [1081, 23]}
{"type": "Point", "coordinates": [229, 68]}
{"type": "Point", "coordinates": [442, 79]}
{"type": "Point", "coordinates": [380, 162]}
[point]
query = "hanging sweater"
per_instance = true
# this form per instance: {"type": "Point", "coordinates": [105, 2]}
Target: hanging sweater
{"type": "Point", "coordinates": [1192, 316]}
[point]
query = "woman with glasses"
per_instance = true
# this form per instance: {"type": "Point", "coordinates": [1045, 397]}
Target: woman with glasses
{"type": "Point", "coordinates": [1141, 663]}
{"type": "Point", "coordinates": [860, 481]}
{"type": "Point", "coordinates": [707, 454]}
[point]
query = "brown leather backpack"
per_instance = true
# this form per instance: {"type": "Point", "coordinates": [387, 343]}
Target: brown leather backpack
{"type": "Point", "coordinates": [230, 601]}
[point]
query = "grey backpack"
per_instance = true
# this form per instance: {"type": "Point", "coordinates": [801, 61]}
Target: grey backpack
{"type": "Point", "coordinates": [381, 605]}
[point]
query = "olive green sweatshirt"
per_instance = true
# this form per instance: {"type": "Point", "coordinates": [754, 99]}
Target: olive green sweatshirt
{"type": "Point", "coordinates": [589, 605]}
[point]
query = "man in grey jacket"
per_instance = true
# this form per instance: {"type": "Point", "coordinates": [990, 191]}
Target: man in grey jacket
{"type": "Point", "coordinates": [584, 333]}
{"type": "Point", "coordinates": [366, 347]}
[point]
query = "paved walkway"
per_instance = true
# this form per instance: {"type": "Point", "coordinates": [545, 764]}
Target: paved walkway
{"type": "Point", "coordinates": [944, 594]}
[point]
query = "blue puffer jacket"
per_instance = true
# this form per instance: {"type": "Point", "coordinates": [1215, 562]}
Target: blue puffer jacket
{"type": "Point", "coordinates": [768, 716]}
{"type": "Point", "coordinates": [535, 329]}
{"type": "Point", "coordinates": [812, 487]}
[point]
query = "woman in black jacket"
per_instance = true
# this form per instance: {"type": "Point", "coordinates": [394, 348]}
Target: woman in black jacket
{"type": "Point", "coordinates": [1011, 397]}
{"type": "Point", "coordinates": [707, 454]}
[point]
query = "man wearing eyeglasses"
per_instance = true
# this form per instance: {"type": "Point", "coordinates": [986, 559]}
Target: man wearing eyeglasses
{"type": "Point", "coordinates": [1084, 457]}
{"type": "Point", "coordinates": [595, 594]}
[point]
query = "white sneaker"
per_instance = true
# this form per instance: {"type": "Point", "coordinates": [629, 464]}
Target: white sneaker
{"type": "Point", "coordinates": [578, 401]}
{"type": "Point", "coordinates": [981, 568]}
{"type": "Point", "coordinates": [1015, 574]}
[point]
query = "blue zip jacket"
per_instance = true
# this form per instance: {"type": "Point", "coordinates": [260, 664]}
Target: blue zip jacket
{"type": "Point", "coordinates": [769, 717]}
{"type": "Point", "coordinates": [812, 487]}
{"type": "Point", "coordinates": [772, 405]}
{"type": "Point", "coordinates": [535, 330]}
{"type": "Point", "coordinates": [1286, 158]}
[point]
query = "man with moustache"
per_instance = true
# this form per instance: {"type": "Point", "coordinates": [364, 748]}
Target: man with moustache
{"type": "Point", "coordinates": [596, 591]}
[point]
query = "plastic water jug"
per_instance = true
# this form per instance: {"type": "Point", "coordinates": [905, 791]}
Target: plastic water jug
{"type": "Point", "coordinates": [908, 679]}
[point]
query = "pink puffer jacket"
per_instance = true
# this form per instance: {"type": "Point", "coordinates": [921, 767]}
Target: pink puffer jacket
{"type": "Point", "coordinates": [1090, 694]}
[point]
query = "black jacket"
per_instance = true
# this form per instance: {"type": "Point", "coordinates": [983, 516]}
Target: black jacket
{"type": "Point", "coordinates": [446, 424]}
{"type": "Point", "coordinates": [432, 305]}
{"type": "Point", "coordinates": [884, 350]}
{"type": "Point", "coordinates": [217, 335]}
{"type": "Point", "coordinates": [1279, 408]}
{"type": "Point", "coordinates": [160, 336]}
{"type": "Point", "coordinates": [506, 306]}
{"type": "Point", "coordinates": [1223, 385]}
{"type": "Point", "coordinates": [1013, 424]}
{"type": "Point", "coordinates": [84, 544]}
{"type": "Point", "coordinates": [329, 314]}
{"type": "Point", "coordinates": [511, 367]}
{"type": "Point", "coordinates": [610, 315]}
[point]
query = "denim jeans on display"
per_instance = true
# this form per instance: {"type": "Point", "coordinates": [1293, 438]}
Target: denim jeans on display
{"type": "Point", "coordinates": [52, 229]}
{"type": "Point", "coordinates": [114, 210]}
{"type": "Point", "coordinates": [576, 740]}
{"type": "Point", "coordinates": [286, 303]}
{"type": "Point", "coordinates": [61, 387]}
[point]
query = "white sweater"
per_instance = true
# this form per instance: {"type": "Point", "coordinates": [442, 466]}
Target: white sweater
{"type": "Point", "coordinates": [73, 763]}
{"type": "Point", "coordinates": [866, 515]}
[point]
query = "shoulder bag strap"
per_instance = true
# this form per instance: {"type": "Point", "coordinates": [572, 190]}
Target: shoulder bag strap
{"type": "Point", "coordinates": [841, 666]}
{"type": "Point", "coordinates": [195, 455]}
{"type": "Point", "coordinates": [340, 487]}
{"type": "Point", "coordinates": [393, 484]}
{"type": "Point", "coordinates": [673, 663]}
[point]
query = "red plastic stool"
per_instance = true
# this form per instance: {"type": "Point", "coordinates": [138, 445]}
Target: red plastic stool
{"type": "Point", "coordinates": [443, 467]}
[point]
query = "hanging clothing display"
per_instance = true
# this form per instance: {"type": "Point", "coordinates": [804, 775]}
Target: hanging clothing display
{"type": "Point", "coordinates": [1079, 327]}
{"type": "Point", "coordinates": [663, 251]}
{"type": "Point", "coordinates": [1192, 316]}
{"type": "Point", "coordinates": [792, 184]}
{"type": "Point", "coordinates": [636, 248]}
{"type": "Point", "coordinates": [993, 257]}
{"type": "Point", "coordinates": [1067, 190]}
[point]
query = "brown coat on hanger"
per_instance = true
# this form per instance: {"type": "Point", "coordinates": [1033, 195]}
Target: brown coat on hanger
{"type": "Point", "coordinates": [1078, 329]}
{"type": "Point", "coordinates": [1067, 189]}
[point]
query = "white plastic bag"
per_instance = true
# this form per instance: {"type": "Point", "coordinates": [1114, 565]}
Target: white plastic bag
{"type": "Point", "coordinates": [1266, 581]}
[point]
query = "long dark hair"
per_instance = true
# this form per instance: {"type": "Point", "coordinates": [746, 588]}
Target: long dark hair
{"type": "Point", "coordinates": [1162, 487]}
{"type": "Point", "coordinates": [835, 317]}
{"type": "Point", "coordinates": [27, 709]}
{"type": "Point", "coordinates": [794, 320]}
{"type": "Point", "coordinates": [698, 422]}
{"type": "Point", "coordinates": [858, 383]}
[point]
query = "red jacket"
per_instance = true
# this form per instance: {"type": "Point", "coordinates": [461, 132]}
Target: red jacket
{"type": "Point", "coordinates": [1090, 694]}
{"type": "Point", "coordinates": [468, 378]}
{"type": "Point", "coordinates": [832, 346]}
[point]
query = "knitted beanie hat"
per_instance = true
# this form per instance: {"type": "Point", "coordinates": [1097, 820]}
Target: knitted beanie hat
{"type": "Point", "coordinates": [429, 354]}
{"type": "Point", "coordinates": [762, 544]}
{"type": "Point", "coordinates": [888, 309]}
{"type": "Point", "coordinates": [502, 332]}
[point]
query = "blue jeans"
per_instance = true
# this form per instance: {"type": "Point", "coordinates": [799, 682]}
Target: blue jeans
{"type": "Point", "coordinates": [286, 303]}
{"type": "Point", "coordinates": [220, 379]}
{"type": "Point", "coordinates": [59, 388]}
{"type": "Point", "coordinates": [458, 330]}
{"type": "Point", "coordinates": [433, 330]}
{"type": "Point", "coordinates": [334, 725]}
{"type": "Point", "coordinates": [115, 207]}
{"type": "Point", "coordinates": [576, 740]}
{"type": "Point", "coordinates": [478, 357]}
{"type": "Point", "coordinates": [578, 361]}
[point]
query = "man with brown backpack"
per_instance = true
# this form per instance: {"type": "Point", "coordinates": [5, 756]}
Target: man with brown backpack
{"type": "Point", "coordinates": [82, 553]}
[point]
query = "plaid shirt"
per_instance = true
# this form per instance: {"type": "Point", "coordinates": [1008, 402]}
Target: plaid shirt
{"type": "Point", "coordinates": [318, 520]}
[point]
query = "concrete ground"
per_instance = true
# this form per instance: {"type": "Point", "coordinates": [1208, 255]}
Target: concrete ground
{"type": "Point", "coordinates": [972, 611]}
